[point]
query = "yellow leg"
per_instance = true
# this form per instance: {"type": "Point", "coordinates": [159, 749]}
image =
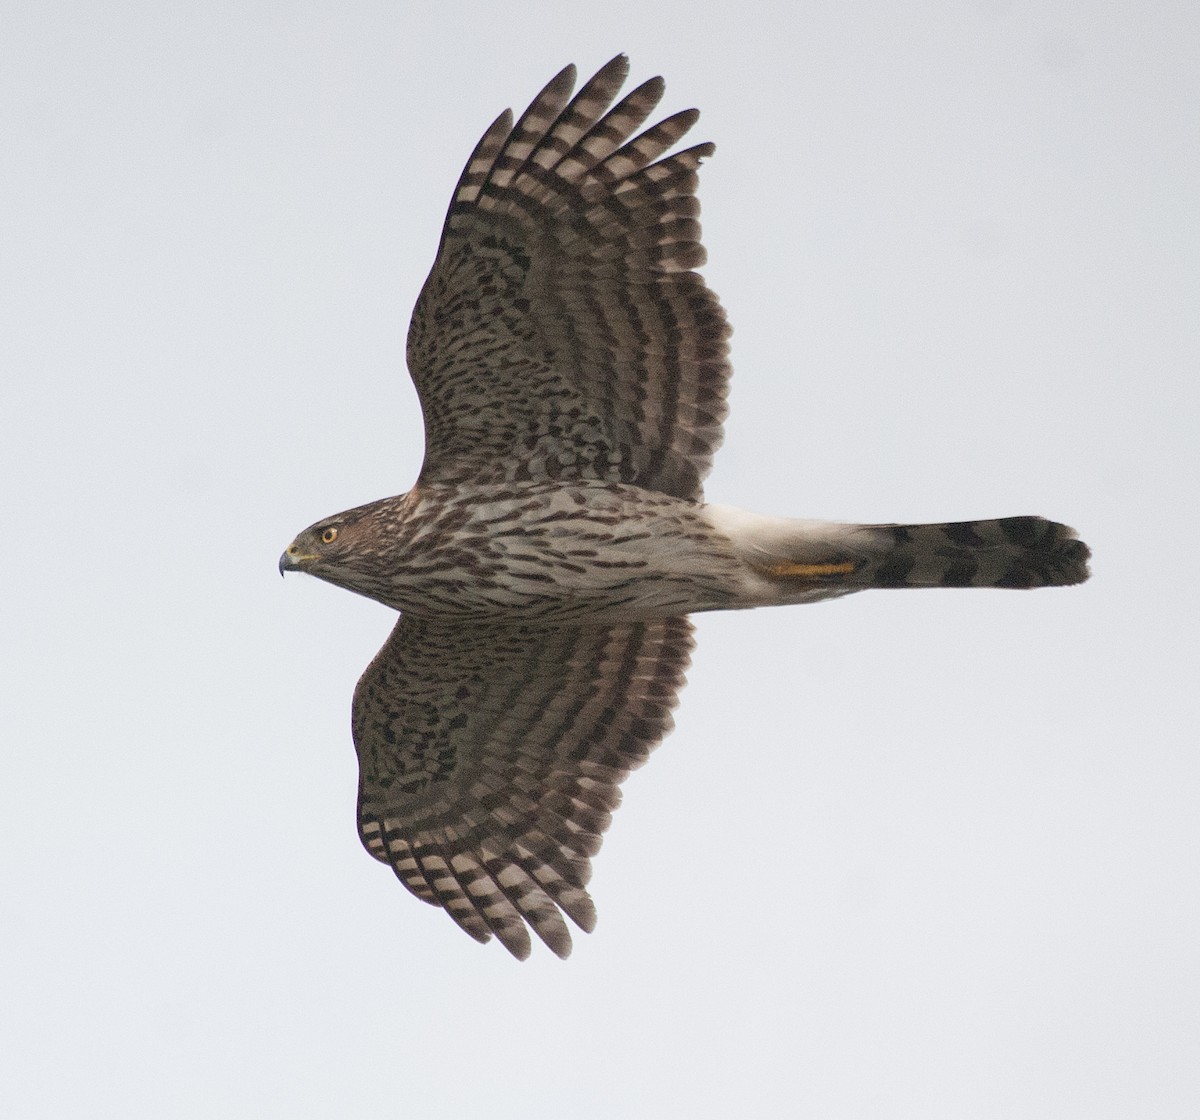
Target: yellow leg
{"type": "Point", "coordinates": [810, 571]}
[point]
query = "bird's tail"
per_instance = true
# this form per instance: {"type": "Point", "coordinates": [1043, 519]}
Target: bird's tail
{"type": "Point", "coordinates": [791, 561]}
{"type": "Point", "coordinates": [1018, 552]}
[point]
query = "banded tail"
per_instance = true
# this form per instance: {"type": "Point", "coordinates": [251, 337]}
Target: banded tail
{"type": "Point", "coordinates": [789, 561]}
{"type": "Point", "coordinates": [1016, 552]}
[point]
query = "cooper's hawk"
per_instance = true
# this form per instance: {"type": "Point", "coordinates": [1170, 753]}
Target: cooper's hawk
{"type": "Point", "coordinates": [572, 372]}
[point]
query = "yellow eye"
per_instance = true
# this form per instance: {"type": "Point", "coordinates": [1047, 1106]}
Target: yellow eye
{"type": "Point", "coordinates": [329, 536]}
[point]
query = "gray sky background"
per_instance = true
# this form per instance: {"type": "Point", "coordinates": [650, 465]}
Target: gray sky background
{"type": "Point", "coordinates": [924, 855]}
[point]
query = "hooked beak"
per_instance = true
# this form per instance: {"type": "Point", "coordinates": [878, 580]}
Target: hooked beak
{"type": "Point", "coordinates": [293, 560]}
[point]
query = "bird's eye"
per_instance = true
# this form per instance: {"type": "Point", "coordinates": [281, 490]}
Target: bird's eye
{"type": "Point", "coordinates": [329, 536]}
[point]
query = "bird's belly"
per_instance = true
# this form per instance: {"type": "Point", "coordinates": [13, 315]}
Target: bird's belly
{"type": "Point", "coordinates": [567, 554]}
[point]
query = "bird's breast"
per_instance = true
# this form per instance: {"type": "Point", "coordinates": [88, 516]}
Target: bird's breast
{"type": "Point", "coordinates": [580, 552]}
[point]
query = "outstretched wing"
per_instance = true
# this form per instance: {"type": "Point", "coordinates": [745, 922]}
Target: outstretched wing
{"type": "Point", "coordinates": [490, 758]}
{"type": "Point", "coordinates": [562, 332]}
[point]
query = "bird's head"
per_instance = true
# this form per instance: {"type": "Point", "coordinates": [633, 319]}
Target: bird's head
{"type": "Point", "coordinates": [319, 546]}
{"type": "Point", "coordinates": [344, 549]}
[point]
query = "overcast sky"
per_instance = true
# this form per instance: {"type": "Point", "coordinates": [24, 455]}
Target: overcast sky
{"type": "Point", "coordinates": [910, 854]}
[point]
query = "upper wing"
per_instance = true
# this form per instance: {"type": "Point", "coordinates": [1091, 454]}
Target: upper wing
{"type": "Point", "coordinates": [490, 758]}
{"type": "Point", "coordinates": [562, 332]}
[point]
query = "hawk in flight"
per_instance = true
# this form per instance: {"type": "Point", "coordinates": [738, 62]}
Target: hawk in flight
{"type": "Point", "coordinates": [572, 370]}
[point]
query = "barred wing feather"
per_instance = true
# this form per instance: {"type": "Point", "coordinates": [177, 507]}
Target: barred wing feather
{"type": "Point", "coordinates": [491, 755]}
{"type": "Point", "coordinates": [563, 332]}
